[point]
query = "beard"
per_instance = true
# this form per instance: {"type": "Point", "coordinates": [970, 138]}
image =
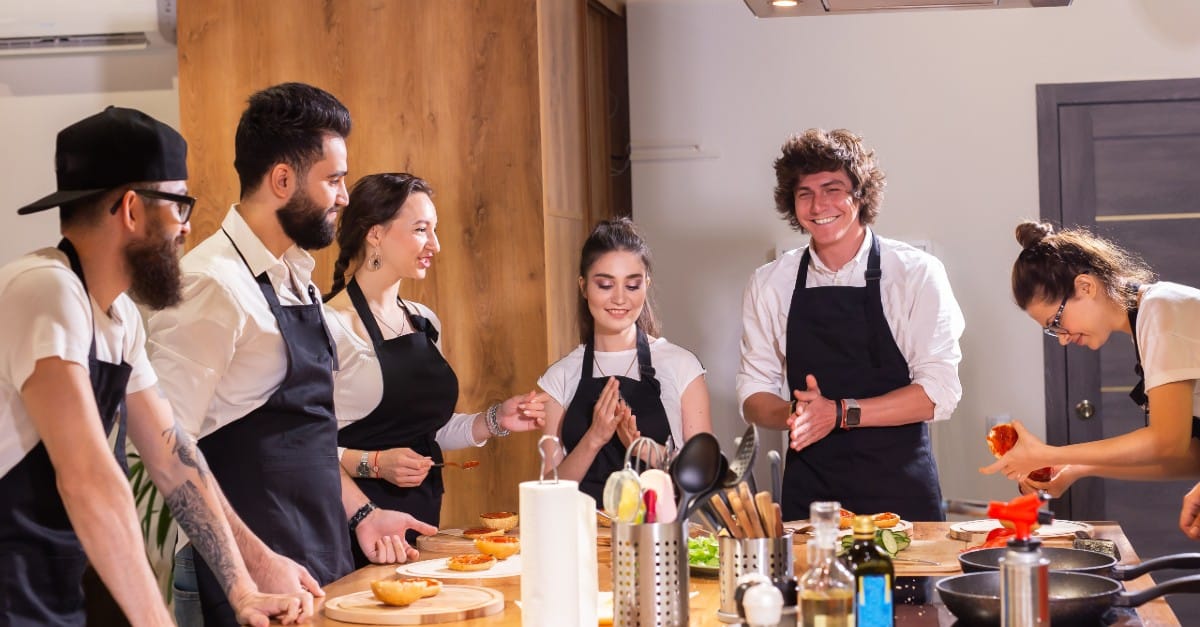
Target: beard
{"type": "Point", "coordinates": [303, 220]}
{"type": "Point", "coordinates": [154, 268]}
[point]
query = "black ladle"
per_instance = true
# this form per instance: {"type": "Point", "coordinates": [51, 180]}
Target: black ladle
{"type": "Point", "coordinates": [696, 469]}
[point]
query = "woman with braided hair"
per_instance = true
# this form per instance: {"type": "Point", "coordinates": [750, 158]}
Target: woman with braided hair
{"type": "Point", "coordinates": [394, 394]}
{"type": "Point", "coordinates": [1082, 289]}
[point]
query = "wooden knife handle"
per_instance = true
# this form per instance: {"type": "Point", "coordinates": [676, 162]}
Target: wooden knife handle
{"type": "Point", "coordinates": [735, 503]}
{"type": "Point", "coordinates": [719, 506]}
{"type": "Point", "coordinates": [751, 510]}
{"type": "Point", "coordinates": [765, 510]}
{"type": "Point", "coordinates": [778, 519]}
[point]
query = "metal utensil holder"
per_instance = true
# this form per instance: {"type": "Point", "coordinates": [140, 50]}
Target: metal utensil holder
{"type": "Point", "coordinates": [650, 575]}
{"type": "Point", "coordinates": [737, 556]}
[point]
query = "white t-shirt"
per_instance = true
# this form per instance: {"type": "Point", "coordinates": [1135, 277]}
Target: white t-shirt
{"type": "Point", "coordinates": [45, 312]}
{"type": "Point", "coordinates": [918, 304]}
{"type": "Point", "coordinates": [358, 382]}
{"type": "Point", "coordinates": [1168, 336]}
{"type": "Point", "coordinates": [675, 368]}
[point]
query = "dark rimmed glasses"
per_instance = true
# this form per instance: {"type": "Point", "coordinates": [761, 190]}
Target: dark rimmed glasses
{"type": "Point", "coordinates": [1054, 329]}
{"type": "Point", "coordinates": [183, 204]}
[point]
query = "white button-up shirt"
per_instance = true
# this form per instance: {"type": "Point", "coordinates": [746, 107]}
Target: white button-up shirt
{"type": "Point", "coordinates": [918, 304]}
{"type": "Point", "coordinates": [219, 354]}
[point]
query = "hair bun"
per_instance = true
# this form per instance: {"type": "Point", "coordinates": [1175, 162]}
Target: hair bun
{"type": "Point", "coordinates": [1030, 233]}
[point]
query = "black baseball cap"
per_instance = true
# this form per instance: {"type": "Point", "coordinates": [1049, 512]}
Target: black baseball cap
{"type": "Point", "coordinates": [109, 149]}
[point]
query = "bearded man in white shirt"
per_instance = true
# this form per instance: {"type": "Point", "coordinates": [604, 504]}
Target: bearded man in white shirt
{"type": "Point", "coordinates": [71, 353]}
{"type": "Point", "coordinates": [849, 343]}
{"type": "Point", "coordinates": [247, 360]}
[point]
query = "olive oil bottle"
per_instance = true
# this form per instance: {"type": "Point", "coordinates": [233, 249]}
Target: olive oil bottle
{"type": "Point", "coordinates": [874, 576]}
{"type": "Point", "coordinates": [827, 588]}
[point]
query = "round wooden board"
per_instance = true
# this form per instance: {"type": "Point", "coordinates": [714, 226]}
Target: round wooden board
{"type": "Point", "coordinates": [454, 603]}
{"type": "Point", "coordinates": [451, 541]}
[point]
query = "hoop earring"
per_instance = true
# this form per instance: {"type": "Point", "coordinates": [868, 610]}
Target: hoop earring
{"type": "Point", "coordinates": [375, 262]}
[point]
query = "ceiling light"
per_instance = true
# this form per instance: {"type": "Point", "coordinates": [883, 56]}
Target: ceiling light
{"type": "Point", "coordinates": [784, 3]}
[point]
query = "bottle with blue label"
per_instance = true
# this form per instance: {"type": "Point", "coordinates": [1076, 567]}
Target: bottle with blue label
{"type": "Point", "coordinates": [874, 576]}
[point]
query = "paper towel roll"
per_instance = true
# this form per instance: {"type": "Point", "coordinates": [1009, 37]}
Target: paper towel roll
{"type": "Point", "coordinates": [558, 555]}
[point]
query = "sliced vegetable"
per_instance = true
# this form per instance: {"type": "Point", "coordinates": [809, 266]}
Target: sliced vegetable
{"type": "Point", "coordinates": [702, 551]}
{"type": "Point", "coordinates": [891, 541]}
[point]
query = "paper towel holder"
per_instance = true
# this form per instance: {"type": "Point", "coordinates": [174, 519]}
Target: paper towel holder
{"type": "Point", "coordinates": [542, 454]}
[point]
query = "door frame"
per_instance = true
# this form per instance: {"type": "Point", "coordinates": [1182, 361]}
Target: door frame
{"type": "Point", "coordinates": [1051, 98]}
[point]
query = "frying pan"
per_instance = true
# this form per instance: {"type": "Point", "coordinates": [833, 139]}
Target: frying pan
{"type": "Point", "coordinates": [1075, 598]}
{"type": "Point", "coordinates": [1080, 561]}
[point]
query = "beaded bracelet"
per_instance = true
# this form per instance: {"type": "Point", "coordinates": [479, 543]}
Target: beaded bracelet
{"type": "Point", "coordinates": [493, 422]}
{"type": "Point", "coordinates": [360, 515]}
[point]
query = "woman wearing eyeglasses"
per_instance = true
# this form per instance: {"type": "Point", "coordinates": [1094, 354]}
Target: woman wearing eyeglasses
{"type": "Point", "coordinates": [1082, 289]}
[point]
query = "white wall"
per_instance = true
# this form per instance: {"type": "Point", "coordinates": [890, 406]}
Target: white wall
{"type": "Point", "coordinates": [947, 100]}
{"type": "Point", "coordinates": [41, 95]}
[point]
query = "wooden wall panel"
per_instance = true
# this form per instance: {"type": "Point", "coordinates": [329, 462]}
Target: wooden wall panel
{"type": "Point", "coordinates": [561, 35]}
{"type": "Point", "coordinates": [447, 90]}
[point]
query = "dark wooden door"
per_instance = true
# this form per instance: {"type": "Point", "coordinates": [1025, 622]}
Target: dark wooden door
{"type": "Point", "coordinates": [1124, 160]}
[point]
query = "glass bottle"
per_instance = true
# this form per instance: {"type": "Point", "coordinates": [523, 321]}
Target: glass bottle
{"type": "Point", "coordinates": [827, 587]}
{"type": "Point", "coordinates": [873, 576]}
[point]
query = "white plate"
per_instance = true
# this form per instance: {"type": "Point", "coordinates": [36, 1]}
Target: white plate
{"type": "Point", "coordinates": [1056, 529]}
{"type": "Point", "coordinates": [437, 569]}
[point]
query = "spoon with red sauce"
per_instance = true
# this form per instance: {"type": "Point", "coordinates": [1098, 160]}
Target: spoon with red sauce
{"type": "Point", "coordinates": [467, 465]}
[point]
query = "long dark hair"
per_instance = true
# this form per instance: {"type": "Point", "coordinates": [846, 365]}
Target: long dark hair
{"type": "Point", "coordinates": [375, 199]}
{"type": "Point", "coordinates": [286, 123]}
{"type": "Point", "coordinates": [618, 234]}
{"type": "Point", "coordinates": [1049, 262]}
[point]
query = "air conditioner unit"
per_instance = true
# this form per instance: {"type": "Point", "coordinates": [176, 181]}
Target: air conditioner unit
{"type": "Point", "coordinates": [35, 27]}
{"type": "Point", "coordinates": [798, 8]}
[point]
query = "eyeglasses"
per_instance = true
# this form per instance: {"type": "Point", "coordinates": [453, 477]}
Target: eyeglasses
{"type": "Point", "coordinates": [1055, 329]}
{"type": "Point", "coordinates": [834, 195]}
{"type": "Point", "coordinates": [183, 204]}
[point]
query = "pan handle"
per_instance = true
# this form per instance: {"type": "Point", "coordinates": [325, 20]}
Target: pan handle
{"type": "Point", "coordinates": [1133, 571]}
{"type": "Point", "coordinates": [1191, 583]}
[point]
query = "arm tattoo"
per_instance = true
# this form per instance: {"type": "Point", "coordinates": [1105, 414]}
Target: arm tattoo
{"type": "Point", "coordinates": [183, 446]}
{"type": "Point", "coordinates": [204, 531]}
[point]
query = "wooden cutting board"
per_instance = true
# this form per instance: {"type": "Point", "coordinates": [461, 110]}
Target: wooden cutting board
{"type": "Point", "coordinates": [942, 550]}
{"type": "Point", "coordinates": [452, 542]}
{"type": "Point", "coordinates": [453, 603]}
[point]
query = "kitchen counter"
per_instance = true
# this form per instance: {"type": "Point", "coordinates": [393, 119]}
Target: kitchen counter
{"type": "Point", "coordinates": [703, 606]}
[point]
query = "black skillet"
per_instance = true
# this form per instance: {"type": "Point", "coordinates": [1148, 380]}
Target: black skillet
{"type": "Point", "coordinates": [1080, 561]}
{"type": "Point", "coordinates": [1075, 598]}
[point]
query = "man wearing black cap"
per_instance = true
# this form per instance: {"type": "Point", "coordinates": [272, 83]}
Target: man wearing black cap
{"type": "Point", "coordinates": [72, 351]}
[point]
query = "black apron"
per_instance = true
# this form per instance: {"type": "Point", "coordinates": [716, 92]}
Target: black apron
{"type": "Point", "coordinates": [419, 393]}
{"type": "Point", "coordinates": [1138, 393]}
{"type": "Point", "coordinates": [278, 464]}
{"type": "Point", "coordinates": [645, 400]}
{"type": "Point", "coordinates": [41, 559]}
{"type": "Point", "coordinates": [839, 335]}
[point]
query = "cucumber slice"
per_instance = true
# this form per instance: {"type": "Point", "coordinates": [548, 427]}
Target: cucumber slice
{"type": "Point", "coordinates": [888, 541]}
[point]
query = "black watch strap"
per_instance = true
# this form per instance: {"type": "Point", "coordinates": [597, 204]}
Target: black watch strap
{"type": "Point", "coordinates": [837, 421]}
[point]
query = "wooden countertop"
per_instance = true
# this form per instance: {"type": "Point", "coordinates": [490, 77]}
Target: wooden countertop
{"type": "Point", "coordinates": [703, 606]}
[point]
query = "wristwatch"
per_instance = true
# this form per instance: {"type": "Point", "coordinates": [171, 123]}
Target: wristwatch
{"type": "Point", "coordinates": [364, 469]}
{"type": "Point", "coordinates": [853, 414]}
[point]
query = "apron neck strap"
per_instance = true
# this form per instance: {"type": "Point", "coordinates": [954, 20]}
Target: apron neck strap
{"type": "Point", "coordinates": [68, 249]}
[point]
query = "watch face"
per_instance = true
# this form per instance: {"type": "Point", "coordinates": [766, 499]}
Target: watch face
{"type": "Point", "coordinates": [852, 416]}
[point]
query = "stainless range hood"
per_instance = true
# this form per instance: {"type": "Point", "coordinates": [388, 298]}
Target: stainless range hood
{"type": "Point", "coordinates": [798, 8]}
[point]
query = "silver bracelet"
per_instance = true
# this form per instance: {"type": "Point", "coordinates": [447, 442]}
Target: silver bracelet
{"type": "Point", "coordinates": [493, 422]}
